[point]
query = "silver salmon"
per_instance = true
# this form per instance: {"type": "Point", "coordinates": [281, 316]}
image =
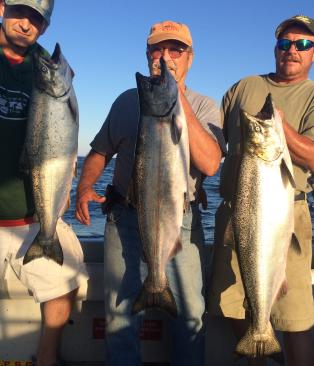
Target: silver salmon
{"type": "Point", "coordinates": [263, 223]}
{"type": "Point", "coordinates": [161, 183]}
{"type": "Point", "coordinates": [51, 149]}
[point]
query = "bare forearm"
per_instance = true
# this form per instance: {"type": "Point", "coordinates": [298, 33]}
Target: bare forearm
{"type": "Point", "coordinates": [93, 167]}
{"type": "Point", "coordinates": [301, 148]}
{"type": "Point", "coordinates": [205, 151]}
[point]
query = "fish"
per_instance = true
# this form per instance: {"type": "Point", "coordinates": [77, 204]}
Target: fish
{"type": "Point", "coordinates": [161, 184]}
{"type": "Point", "coordinates": [263, 224]}
{"type": "Point", "coordinates": [50, 151]}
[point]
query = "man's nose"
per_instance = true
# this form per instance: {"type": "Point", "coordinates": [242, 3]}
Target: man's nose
{"type": "Point", "coordinates": [25, 24]}
{"type": "Point", "coordinates": [165, 54]}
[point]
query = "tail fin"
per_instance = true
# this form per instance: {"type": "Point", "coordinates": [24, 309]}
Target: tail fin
{"type": "Point", "coordinates": [256, 345]}
{"type": "Point", "coordinates": [162, 300]}
{"type": "Point", "coordinates": [52, 250]}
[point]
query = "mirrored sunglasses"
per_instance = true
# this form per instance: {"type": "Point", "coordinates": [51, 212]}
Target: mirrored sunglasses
{"type": "Point", "coordinates": [300, 44]}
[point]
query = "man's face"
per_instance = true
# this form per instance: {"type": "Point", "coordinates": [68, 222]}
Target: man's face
{"type": "Point", "coordinates": [293, 65]}
{"type": "Point", "coordinates": [21, 25]}
{"type": "Point", "coordinates": [177, 55]}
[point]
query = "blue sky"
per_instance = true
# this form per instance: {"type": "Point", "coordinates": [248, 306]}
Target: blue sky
{"type": "Point", "coordinates": [105, 41]}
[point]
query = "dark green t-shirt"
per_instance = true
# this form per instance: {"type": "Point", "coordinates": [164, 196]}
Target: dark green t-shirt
{"type": "Point", "coordinates": [16, 199]}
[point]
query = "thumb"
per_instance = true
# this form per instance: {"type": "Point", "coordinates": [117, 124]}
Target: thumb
{"type": "Point", "coordinates": [100, 199]}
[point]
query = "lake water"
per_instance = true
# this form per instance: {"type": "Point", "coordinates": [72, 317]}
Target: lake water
{"type": "Point", "coordinates": [96, 229]}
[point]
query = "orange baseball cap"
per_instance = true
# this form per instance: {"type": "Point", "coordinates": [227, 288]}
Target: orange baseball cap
{"type": "Point", "coordinates": [169, 30]}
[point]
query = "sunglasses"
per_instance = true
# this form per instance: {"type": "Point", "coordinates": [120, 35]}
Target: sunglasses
{"type": "Point", "coordinates": [300, 44]}
{"type": "Point", "coordinates": [174, 52]}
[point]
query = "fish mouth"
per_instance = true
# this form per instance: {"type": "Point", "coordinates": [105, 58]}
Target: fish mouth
{"type": "Point", "coordinates": [52, 62]}
{"type": "Point", "coordinates": [55, 58]}
{"type": "Point", "coordinates": [267, 112]}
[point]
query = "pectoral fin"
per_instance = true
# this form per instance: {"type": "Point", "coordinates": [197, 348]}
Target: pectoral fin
{"type": "Point", "coordinates": [176, 129]}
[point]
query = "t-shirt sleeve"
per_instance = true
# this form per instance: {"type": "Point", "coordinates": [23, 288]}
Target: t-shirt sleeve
{"type": "Point", "coordinates": [308, 128]}
{"type": "Point", "coordinates": [102, 142]}
{"type": "Point", "coordinates": [120, 127]}
{"type": "Point", "coordinates": [208, 115]}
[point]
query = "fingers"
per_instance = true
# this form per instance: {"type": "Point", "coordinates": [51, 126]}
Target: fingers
{"type": "Point", "coordinates": [84, 196]}
{"type": "Point", "coordinates": [281, 114]}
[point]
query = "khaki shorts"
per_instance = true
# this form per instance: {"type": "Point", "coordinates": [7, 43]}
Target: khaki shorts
{"type": "Point", "coordinates": [45, 278]}
{"type": "Point", "coordinates": [294, 311]}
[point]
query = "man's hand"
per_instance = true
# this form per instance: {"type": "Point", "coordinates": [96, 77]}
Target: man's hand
{"type": "Point", "coordinates": [281, 114]}
{"type": "Point", "coordinates": [83, 197]}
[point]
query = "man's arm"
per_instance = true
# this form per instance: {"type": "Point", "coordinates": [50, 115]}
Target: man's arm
{"type": "Point", "coordinates": [301, 147]}
{"type": "Point", "coordinates": [93, 167]}
{"type": "Point", "coordinates": [205, 151]}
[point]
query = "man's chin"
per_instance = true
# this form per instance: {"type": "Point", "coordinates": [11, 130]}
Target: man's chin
{"type": "Point", "coordinates": [21, 42]}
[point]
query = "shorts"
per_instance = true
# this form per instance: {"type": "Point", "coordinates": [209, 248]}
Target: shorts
{"type": "Point", "coordinates": [293, 312]}
{"type": "Point", "coordinates": [45, 278]}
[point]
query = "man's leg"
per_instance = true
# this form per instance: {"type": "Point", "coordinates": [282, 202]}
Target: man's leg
{"type": "Point", "coordinates": [185, 278]}
{"type": "Point", "coordinates": [123, 281]}
{"type": "Point", "coordinates": [299, 348]}
{"type": "Point", "coordinates": [55, 315]}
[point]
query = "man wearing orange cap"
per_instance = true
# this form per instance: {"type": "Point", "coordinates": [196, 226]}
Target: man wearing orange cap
{"type": "Point", "coordinates": [293, 93]}
{"type": "Point", "coordinates": [124, 267]}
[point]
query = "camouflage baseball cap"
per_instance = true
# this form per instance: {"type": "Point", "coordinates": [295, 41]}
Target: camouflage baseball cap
{"type": "Point", "coordinates": [303, 20]}
{"type": "Point", "coordinates": [169, 30]}
{"type": "Point", "coordinates": [44, 7]}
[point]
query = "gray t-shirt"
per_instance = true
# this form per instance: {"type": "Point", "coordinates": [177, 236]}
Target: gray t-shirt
{"type": "Point", "coordinates": [118, 135]}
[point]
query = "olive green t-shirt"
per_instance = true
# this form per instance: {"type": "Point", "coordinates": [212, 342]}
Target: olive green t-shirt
{"type": "Point", "coordinates": [295, 100]}
{"type": "Point", "coordinates": [16, 199]}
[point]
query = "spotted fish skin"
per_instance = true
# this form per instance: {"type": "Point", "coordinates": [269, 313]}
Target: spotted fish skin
{"type": "Point", "coordinates": [51, 149]}
{"type": "Point", "coordinates": [161, 183]}
{"type": "Point", "coordinates": [263, 223]}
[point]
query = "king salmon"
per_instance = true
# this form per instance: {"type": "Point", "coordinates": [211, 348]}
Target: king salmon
{"type": "Point", "coordinates": [51, 149]}
{"type": "Point", "coordinates": [161, 183]}
{"type": "Point", "coordinates": [263, 223]}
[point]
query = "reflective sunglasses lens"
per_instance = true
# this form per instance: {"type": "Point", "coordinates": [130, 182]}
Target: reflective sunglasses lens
{"type": "Point", "coordinates": [175, 52]}
{"type": "Point", "coordinates": [155, 52]}
{"type": "Point", "coordinates": [284, 44]}
{"type": "Point", "coordinates": [303, 44]}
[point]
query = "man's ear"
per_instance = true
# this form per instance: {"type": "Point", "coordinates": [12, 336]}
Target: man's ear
{"type": "Point", "coordinates": [43, 27]}
{"type": "Point", "coordinates": [2, 5]}
{"type": "Point", "coordinates": [191, 56]}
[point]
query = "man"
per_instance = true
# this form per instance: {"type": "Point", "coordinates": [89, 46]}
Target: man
{"type": "Point", "coordinates": [293, 95]}
{"type": "Point", "coordinates": [124, 268]}
{"type": "Point", "coordinates": [23, 22]}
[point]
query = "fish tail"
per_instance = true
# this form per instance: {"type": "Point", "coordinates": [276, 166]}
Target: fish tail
{"type": "Point", "coordinates": [256, 345]}
{"type": "Point", "coordinates": [163, 300]}
{"type": "Point", "coordinates": [37, 250]}
{"type": "Point", "coordinates": [54, 251]}
{"type": "Point", "coordinates": [34, 251]}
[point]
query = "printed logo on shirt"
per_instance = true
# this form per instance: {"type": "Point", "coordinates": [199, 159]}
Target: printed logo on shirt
{"type": "Point", "coordinates": [13, 104]}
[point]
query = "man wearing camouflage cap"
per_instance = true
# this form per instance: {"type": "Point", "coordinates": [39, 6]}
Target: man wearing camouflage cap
{"type": "Point", "coordinates": [124, 266]}
{"type": "Point", "coordinates": [54, 286]}
{"type": "Point", "coordinates": [293, 94]}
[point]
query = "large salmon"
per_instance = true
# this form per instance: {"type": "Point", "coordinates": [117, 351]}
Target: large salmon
{"type": "Point", "coordinates": [51, 149]}
{"type": "Point", "coordinates": [161, 183]}
{"type": "Point", "coordinates": [263, 223]}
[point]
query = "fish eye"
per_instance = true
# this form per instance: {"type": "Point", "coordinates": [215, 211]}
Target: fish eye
{"type": "Point", "coordinates": [44, 69]}
{"type": "Point", "coordinates": [257, 128]}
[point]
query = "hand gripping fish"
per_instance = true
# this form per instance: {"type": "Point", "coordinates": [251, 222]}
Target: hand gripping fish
{"type": "Point", "coordinates": [51, 149]}
{"type": "Point", "coordinates": [263, 223]}
{"type": "Point", "coordinates": [161, 183]}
